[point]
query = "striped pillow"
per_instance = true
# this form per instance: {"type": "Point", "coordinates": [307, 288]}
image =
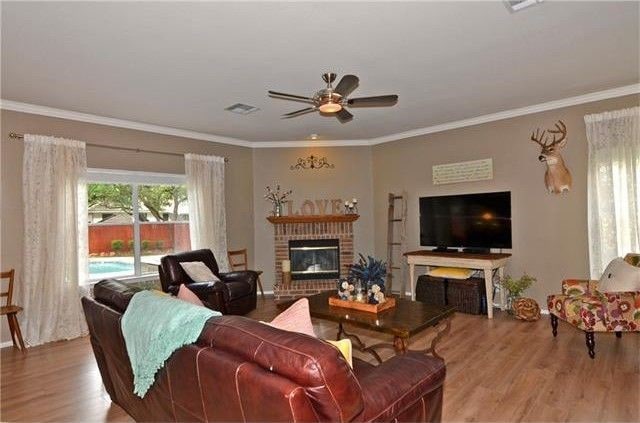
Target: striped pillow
{"type": "Point", "coordinates": [295, 319]}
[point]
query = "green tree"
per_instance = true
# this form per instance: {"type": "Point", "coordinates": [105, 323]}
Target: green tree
{"type": "Point", "coordinates": [113, 196]}
{"type": "Point", "coordinates": [178, 196]}
{"type": "Point", "coordinates": [155, 198]}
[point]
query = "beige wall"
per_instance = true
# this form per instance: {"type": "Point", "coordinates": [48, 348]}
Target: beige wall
{"type": "Point", "coordinates": [549, 231]}
{"type": "Point", "coordinates": [238, 173]}
{"type": "Point", "coordinates": [351, 177]}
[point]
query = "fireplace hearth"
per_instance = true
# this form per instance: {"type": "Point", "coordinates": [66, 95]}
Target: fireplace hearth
{"type": "Point", "coordinates": [314, 259]}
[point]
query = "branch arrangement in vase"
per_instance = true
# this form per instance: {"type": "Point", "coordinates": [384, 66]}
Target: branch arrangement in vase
{"type": "Point", "coordinates": [278, 198]}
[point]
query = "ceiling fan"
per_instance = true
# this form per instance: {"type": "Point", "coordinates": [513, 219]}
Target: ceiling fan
{"type": "Point", "coordinates": [333, 101]}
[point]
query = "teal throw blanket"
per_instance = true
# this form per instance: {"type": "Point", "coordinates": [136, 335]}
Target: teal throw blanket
{"type": "Point", "coordinates": [154, 326]}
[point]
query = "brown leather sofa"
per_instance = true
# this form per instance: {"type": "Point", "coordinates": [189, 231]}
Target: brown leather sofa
{"type": "Point", "coordinates": [235, 293]}
{"type": "Point", "coordinates": [242, 370]}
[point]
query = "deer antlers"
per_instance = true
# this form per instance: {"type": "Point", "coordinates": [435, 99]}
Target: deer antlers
{"type": "Point", "coordinates": [540, 138]}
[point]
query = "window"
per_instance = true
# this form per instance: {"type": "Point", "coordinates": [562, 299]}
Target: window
{"type": "Point", "coordinates": [134, 219]}
{"type": "Point", "coordinates": [613, 189]}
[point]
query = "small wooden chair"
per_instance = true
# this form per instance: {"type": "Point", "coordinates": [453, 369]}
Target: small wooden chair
{"type": "Point", "coordinates": [11, 311]}
{"type": "Point", "coordinates": [243, 264]}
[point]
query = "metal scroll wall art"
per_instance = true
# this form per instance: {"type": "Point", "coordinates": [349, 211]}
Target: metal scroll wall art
{"type": "Point", "coordinates": [312, 162]}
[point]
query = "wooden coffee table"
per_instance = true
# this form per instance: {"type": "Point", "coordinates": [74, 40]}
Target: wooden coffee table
{"type": "Point", "coordinates": [403, 321]}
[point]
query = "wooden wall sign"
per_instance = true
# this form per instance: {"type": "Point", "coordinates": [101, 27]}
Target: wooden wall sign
{"type": "Point", "coordinates": [316, 207]}
{"type": "Point", "coordinates": [475, 170]}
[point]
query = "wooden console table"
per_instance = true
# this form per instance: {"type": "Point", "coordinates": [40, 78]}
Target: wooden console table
{"type": "Point", "coordinates": [484, 262]}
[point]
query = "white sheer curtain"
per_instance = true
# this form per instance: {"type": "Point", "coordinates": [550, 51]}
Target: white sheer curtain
{"type": "Point", "coordinates": [614, 186]}
{"type": "Point", "coordinates": [205, 192]}
{"type": "Point", "coordinates": [54, 255]}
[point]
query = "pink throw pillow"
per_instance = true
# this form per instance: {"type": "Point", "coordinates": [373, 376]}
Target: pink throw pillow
{"type": "Point", "coordinates": [185, 294]}
{"type": "Point", "coordinates": [295, 319]}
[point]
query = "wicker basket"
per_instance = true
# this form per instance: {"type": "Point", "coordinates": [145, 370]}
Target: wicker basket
{"type": "Point", "coordinates": [430, 290]}
{"type": "Point", "coordinates": [467, 295]}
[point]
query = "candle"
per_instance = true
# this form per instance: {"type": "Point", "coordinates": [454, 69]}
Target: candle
{"type": "Point", "coordinates": [286, 266]}
{"type": "Point", "coordinates": [286, 279]}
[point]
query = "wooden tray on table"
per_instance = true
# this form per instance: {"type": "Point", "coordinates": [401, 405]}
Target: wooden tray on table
{"type": "Point", "coordinates": [370, 308]}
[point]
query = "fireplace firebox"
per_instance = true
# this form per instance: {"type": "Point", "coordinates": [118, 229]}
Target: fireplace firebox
{"type": "Point", "coordinates": [314, 259]}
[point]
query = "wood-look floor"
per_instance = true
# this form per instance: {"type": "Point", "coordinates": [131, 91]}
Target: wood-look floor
{"type": "Point", "coordinates": [497, 371]}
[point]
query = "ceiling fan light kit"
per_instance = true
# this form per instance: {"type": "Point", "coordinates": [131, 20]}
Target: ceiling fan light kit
{"type": "Point", "coordinates": [330, 107]}
{"type": "Point", "coordinates": [333, 101]}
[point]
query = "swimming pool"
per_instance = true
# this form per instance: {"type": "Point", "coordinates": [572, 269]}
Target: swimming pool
{"type": "Point", "coordinates": [110, 267]}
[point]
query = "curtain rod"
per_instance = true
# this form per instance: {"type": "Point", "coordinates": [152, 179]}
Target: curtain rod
{"type": "Point", "coordinates": [16, 136]}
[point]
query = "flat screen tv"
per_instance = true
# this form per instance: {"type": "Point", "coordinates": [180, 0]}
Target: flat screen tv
{"type": "Point", "coordinates": [473, 221]}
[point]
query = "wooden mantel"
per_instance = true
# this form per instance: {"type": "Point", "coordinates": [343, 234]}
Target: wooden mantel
{"type": "Point", "coordinates": [280, 220]}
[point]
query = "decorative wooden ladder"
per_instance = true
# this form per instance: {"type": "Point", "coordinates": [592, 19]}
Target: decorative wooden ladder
{"type": "Point", "coordinates": [392, 242]}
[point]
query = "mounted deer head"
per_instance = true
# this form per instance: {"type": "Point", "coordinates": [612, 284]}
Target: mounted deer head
{"type": "Point", "coordinates": [557, 177]}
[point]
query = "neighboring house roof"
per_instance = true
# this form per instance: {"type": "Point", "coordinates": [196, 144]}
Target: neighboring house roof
{"type": "Point", "coordinates": [119, 219]}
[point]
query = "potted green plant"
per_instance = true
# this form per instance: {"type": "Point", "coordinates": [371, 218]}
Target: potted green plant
{"type": "Point", "coordinates": [515, 288]}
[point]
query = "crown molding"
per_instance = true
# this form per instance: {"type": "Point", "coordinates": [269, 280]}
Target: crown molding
{"type": "Point", "coordinates": [311, 143]}
{"type": "Point", "coordinates": [507, 114]}
{"type": "Point", "coordinates": [35, 109]}
{"type": "Point", "coordinates": [165, 130]}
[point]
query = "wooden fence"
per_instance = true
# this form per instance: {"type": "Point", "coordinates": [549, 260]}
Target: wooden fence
{"type": "Point", "coordinates": [170, 236]}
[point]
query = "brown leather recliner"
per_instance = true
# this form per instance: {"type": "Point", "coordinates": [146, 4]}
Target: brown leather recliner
{"type": "Point", "coordinates": [235, 293]}
{"type": "Point", "coordinates": [242, 370]}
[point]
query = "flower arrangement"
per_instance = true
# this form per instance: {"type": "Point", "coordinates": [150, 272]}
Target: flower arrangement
{"type": "Point", "coordinates": [346, 290]}
{"type": "Point", "coordinates": [372, 273]}
{"type": "Point", "coordinates": [278, 198]}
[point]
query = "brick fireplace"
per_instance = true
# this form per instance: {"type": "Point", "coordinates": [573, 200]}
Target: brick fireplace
{"type": "Point", "coordinates": [320, 228]}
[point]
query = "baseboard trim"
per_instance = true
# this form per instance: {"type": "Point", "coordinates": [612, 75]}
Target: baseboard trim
{"type": "Point", "coordinates": [542, 310]}
{"type": "Point", "coordinates": [6, 344]}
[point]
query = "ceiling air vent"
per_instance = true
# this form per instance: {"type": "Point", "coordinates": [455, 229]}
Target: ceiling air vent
{"type": "Point", "coordinates": [516, 5]}
{"type": "Point", "coordinates": [242, 109]}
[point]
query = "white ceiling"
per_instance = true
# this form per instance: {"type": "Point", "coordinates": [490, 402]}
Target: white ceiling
{"type": "Point", "coordinates": [180, 64]}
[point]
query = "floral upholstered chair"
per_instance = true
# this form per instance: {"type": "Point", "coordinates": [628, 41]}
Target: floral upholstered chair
{"type": "Point", "coordinates": [583, 306]}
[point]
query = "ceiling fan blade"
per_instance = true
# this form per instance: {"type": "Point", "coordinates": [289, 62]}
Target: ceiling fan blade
{"type": "Point", "coordinates": [289, 96]}
{"type": "Point", "coordinates": [347, 84]}
{"type": "Point", "coordinates": [299, 112]}
{"type": "Point", "coordinates": [376, 101]}
{"type": "Point", "coordinates": [344, 116]}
